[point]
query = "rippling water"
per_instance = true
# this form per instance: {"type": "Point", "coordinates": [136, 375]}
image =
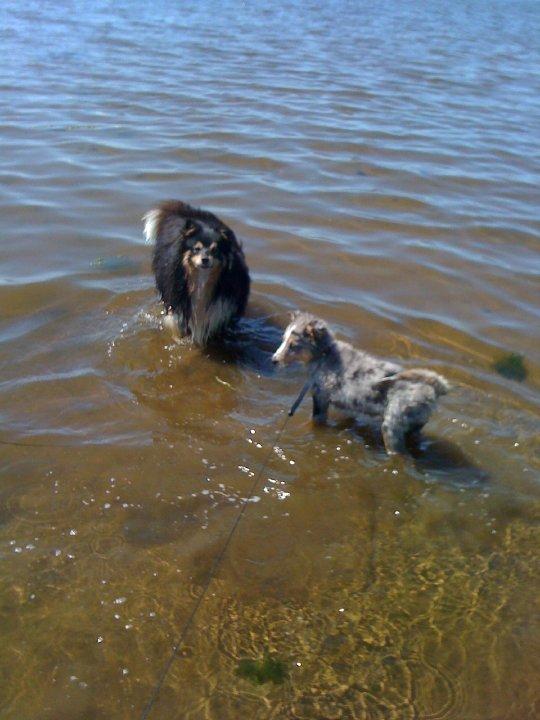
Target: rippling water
{"type": "Point", "coordinates": [381, 164]}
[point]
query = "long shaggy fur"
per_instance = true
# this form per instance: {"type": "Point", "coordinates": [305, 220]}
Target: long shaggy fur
{"type": "Point", "coordinates": [200, 269]}
{"type": "Point", "coordinates": [399, 401]}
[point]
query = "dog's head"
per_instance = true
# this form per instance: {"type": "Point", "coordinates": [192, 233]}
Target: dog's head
{"type": "Point", "coordinates": [206, 245]}
{"type": "Point", "coordinates": [306, 338]}
{"type": "Point", "coordinates": [202, 239]}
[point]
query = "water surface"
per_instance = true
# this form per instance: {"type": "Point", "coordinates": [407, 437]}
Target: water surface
{"type": "Point", "coordinates": [381, 165]}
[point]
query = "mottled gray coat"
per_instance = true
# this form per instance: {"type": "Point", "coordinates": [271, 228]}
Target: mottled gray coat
{"type": "Point", "coordinates": [374, 390]}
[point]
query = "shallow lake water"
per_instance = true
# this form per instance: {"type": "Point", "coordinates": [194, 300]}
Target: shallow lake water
{"type": "Point", "coordinates": [380, 164]}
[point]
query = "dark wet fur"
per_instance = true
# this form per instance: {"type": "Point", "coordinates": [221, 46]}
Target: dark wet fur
{"type": "Point", "coordinates": [173, 227]}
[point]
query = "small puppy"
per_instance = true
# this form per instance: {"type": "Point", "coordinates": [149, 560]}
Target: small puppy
{"type": "Point", "coordinates": [199, 268]}
{"type": "Point", "coordinates": [360, 383]}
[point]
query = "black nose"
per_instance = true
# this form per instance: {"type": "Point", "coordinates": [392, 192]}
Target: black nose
{"type": "Point", "coordinates": [205, 262]}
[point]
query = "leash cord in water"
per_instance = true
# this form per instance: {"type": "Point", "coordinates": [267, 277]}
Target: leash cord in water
{"type": "Point", "coordinates": [217, 561]}
{"type": "Point", "coordinates": [301, 396]}
{"type": "Point", "coordinates": [15, 443]}
{"type": "Point", "coordinates": [72, 446]}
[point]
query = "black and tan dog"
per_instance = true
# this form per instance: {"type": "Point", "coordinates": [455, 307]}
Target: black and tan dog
{"type": "Point", "coordinates": [200, 270]}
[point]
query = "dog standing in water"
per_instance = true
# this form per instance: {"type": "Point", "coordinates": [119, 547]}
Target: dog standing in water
{"type": "Point", "coordinates": [400, 400]}
{"type": "Point", "coordinates": [200, 270]}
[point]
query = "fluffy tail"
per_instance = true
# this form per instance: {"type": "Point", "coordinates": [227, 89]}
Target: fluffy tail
{"type": "Point", "coordinates": [151, 223]}
{"type": "Point", "coordinates": [419, 375]}
{"type": "Point", "coordinates": [169, 219]}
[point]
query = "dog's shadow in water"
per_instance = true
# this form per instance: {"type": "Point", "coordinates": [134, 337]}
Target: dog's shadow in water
{"type": "Point", "coordinates": [441, 460]}
{"type": "Point", "coordinates": [250, 343]}
{"type": "Point", "coordinates": [445, 462]}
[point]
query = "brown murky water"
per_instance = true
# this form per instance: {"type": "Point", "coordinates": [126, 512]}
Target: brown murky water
{"type": "Point", "coordinates": [381, 166]}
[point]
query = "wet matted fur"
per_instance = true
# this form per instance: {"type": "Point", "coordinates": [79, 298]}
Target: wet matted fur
{"type": "Point", "coordinates": [200, 269]}
{"type": "Point", "coordinates": [399, 401]}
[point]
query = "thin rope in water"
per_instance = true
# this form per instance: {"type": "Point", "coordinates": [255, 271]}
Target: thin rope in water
{"type": "Point", "coordinates": [217, 561]}
{"type": "Point", "coordinates": [72, 446]}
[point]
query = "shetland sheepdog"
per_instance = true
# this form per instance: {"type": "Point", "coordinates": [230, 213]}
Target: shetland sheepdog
{"type": "Point", "coordinates": [200, 270]}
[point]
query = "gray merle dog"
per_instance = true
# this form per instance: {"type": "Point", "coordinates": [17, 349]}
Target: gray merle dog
{"type": "Point", "coordinates": [400, 401]}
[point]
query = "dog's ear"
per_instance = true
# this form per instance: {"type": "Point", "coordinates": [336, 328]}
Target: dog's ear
{"type": "Point", "coordinates": [317, 331]}
{"type": "Point", "coordinates": [294, 314]}
{"type": "Point", "coordinates": [189, 228]}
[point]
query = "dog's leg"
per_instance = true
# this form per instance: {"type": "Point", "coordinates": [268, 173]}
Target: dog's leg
{"type": "Point", "coordinates": [172, 322]}
{"type": "Point", "coordinates": [393, 438]}
{"type": "Point", "coordinates": [320, 408]}
{"type": "Point", "coordinates": [403, 416]}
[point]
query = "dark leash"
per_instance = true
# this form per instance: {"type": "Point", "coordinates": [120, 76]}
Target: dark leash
{"type": "Point", "coordinates": [219, 558]}
{"type": "Point", "coordinates": [310, 382]}
{"type": "Point", "coordinates": [296, 404]}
